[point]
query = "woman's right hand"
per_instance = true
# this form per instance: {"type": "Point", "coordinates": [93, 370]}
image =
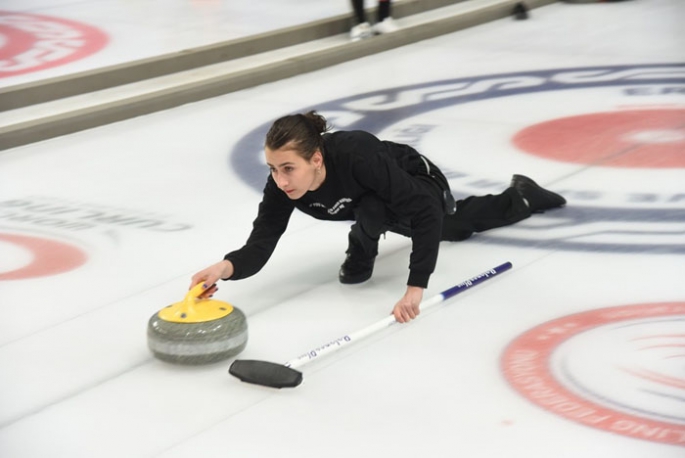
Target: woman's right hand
{"type": "Point", "coordinates": [212, 274]}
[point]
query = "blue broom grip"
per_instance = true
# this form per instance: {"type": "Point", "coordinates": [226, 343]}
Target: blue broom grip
{"type": "Point", "coordinates": [453, 291]}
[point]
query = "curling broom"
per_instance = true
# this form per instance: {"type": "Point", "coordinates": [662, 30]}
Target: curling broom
{"type": "Point", "coordinates": [286, 376]}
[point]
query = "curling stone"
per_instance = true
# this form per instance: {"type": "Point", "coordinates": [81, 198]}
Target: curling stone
{"type": "Point", "coordinates": [197, 331]}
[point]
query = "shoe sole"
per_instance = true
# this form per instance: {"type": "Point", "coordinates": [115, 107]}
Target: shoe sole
{"type": "Point", "coordinates": [345, 280]}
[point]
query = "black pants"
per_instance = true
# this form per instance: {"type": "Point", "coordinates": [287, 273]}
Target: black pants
{"type": "Point", "coordinates": [480, 213]}
{"type": "Point", "coordinates": [384, 7]}
{"type": "Point", "coordinates": [474, 214]}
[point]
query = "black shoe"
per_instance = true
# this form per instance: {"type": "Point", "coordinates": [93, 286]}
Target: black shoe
{"type": "Point", "coordinates": [361, 256]}
{"type": "Point", "coordinates": [538, 199]}
{"type": "Point", "coordinates": [355, 270]}
{"type": "Point", "coordinates": [521, 11]}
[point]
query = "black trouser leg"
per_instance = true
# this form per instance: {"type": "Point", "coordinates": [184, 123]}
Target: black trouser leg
{"type": "Point", "coordinates": [383, 10]}
{"type": "Point", "coordinates": [359, 13]}
{"type": "Point", "coordinates": [480, 213]}
{"type": "Point", "coordinates": [370, 222]}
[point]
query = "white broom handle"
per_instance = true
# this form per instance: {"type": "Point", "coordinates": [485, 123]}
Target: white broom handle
{"type": "Point", "coordinates": [347, 339]}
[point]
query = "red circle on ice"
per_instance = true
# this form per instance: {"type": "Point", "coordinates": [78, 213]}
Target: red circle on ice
{"type": "Point", "coordinates": [48, 257]}
{"type": "Point", "coordinates": [31, 42]}
{"type": "Point", "coordinates": [638, 335]}
{"type": "Point", "coordinates": [636, 138]}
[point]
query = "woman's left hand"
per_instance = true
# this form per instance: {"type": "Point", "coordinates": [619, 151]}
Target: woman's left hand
{"type": "Point", "coordinates": [408, 307]}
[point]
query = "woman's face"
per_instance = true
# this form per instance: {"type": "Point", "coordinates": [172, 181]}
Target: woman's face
{"type": "Point", "coordinates": [293, 174]}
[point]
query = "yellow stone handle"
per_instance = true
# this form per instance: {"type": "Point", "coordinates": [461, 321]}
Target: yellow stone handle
{"type": "Point", "coordinates": [194, 309]}
{"type": "Point", "coordinates": [192, 297]}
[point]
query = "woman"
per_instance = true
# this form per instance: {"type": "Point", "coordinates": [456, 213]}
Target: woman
{"type": "Point", "coordinates": [381, 186]}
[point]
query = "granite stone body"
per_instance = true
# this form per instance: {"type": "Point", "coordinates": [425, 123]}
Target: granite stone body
{"type": "Point", "coordinates": [197, 343]}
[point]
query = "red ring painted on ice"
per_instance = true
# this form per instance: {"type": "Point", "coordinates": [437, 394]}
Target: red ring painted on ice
{"type": "Point", "coordinates": [631, 139]}
{"type": "Point", "coordinates": [15, 42]}
{"type": "Point", "coordinates": [50, 257]}
{"type": "Point", "coordinates": [34, 42]}
{"type": "Point", "coordinates": [527, 362]}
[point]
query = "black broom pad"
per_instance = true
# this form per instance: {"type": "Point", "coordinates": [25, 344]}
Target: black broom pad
{"type": "Point", "coordinates": [265, 373]}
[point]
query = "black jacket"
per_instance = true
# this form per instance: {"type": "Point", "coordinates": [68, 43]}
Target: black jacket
{"type": "Point", "coordinates": [356, 163]}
